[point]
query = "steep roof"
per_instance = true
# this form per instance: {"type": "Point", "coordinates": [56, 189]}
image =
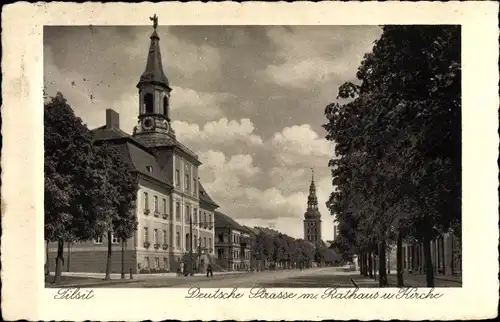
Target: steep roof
{"type": "Point", "coordinates": [137, 156]}
{"type": "Point", "coordinates": [154, 69]}
{"type": "Point", "coordinates": [223, 220]}
{"type": "Point", "coordinates": [204, 197]}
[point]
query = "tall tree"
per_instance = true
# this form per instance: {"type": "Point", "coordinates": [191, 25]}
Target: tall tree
{"type": "Point", "coordinates": [70, 182]}
{"type": "Point", "coordinates": [398, 138]}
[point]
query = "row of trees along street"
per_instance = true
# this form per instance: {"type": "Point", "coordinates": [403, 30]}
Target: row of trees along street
{"type": "Point", "coordinates": [89, 190]}
{"type": "Point", "coordinates": [280, 250]}
{"type": "Point", "coordinates": [397, 130]}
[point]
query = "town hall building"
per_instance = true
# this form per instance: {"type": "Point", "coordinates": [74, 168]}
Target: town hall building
{"type": "Point", "coordinates": [175, 214]}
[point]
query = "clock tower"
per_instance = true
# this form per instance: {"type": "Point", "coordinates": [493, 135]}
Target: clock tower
{"type": "Point", "coordinates": [312, 217]}
{"type": "Point", "coordinates": [153, 125]}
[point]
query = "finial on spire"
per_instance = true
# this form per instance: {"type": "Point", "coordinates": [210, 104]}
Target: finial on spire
{"type": "Point", "coordinates": [312, 174]}
{"type": "Point", "coordinates": [154, 19]}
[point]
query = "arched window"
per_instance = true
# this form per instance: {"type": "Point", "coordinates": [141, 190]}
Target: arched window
{"type": "Point", "coordinates": [165, 106]}
{"type": "Point", "coordinates": [148, 103]}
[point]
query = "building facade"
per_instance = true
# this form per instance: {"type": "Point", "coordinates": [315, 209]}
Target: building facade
{"type": "Point", "coordinates": [312, 216]}
{"type": "Point", "coordinates": [446, 256]}
{"type": "Point", "coordinates": [232, 244]}
{"type": "Point", "coordinates": [174, 212]}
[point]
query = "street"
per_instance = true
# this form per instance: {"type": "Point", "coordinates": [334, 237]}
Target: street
{"type": "Point", "coordinates": [308, 278]}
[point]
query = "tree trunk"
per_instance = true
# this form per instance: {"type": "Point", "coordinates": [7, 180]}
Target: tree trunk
{"type": "Point", "coordinates": [69, 257]}
{"type": "Point", "coordinates": [123, 259]}
{"type": "Point", "coordinates": [47, 266]}
{"type": "Point", "coordinates": [370, 264]}
{"type": "Point", "coordinates": [59, 261]}
{"type": "Point", "coordinates": [382, 262]}
{"type": "Point", "coordinates": [429, 271]}
{"type": "Point", "coordinates": [399, 255]}
{"type": "Point", "coordinates": [108, 261]}
{"type": "Point", "coordinates": [365, 263]}
{"type": "Point", "coordinates": [388, 261]}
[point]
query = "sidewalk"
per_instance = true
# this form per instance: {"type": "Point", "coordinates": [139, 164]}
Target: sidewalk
{"type": "Point", "coordinates": [117, 276]}
{"type": "Point", "coordinates": [409, 280]}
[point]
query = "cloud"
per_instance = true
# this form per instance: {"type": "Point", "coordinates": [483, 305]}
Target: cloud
{"type": "Point", "coordinates": [300, 145]}
{"type": "Point", "coordinates": [217, 133]}
{"type": "Point", "coordinates": [188, 104]}
{"type": "Point", "coordinates": [305, 62]}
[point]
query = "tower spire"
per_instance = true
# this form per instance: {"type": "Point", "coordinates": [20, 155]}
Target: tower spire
{"type": "Point", "coordinates": [312, 200]}
{"type": "Point", "coordinates": [154, 74]}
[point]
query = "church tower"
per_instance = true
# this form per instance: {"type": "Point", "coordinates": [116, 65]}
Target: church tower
{"type": "Point", "coordinates": [153, 126]}
{"type": "Point", "coordinates": [312, 217]}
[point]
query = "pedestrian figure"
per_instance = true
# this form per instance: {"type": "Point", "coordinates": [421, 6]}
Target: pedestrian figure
{"type": "Point", "coordinates": [210, 270]}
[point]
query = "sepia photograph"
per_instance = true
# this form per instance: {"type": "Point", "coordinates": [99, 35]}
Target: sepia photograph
{"type": "Point", "coordinates": [250, 161]}
{"type": "Point", "coordinates": [252, 156]}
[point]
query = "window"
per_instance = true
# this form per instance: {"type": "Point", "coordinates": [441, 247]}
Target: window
{"type": "Point", "coordinates": [165, 105]}
{"type": "Point", "coordinates": [210, 242]}
{"type": "Point", "coordinates": [178, 239]}
{"type": "Point", "coordinates": [114, 239]}
{"type": "Point", "coordinates": [98, 240]}
{"type": "Point", "coordinates": [156, 203]}
{"type": "Point", "coordinates": [165, 262]}
{"type": "Point", "coordinates": [186, 182]}
{"type": "Point", "coordinates": [157, 262]}
{"type": "Point", "coordinates": [220, 253]}
{"type": "Point", "coordinates": [209, 219]}
{"type": "Point", "coordinates": [146, 234]}
{"type": "Point", "coordinates": [187, 241]}
{"type": "Point", "coordinates": [195, 211]}
{"type": "Point", "coordinates": [146, 201]}
{"type": "Point", "coordinates": [200, 217]}
{"type": "Point", "coordinates": [148, 104]}
{"type": "Point", "coordinates": [221, 238]}
{"type": "Point", "coordinates": [204, 241]}
{"type": "Point", "coordinates": [178, 211]}
{"type": "Point", "coordinates": [186, 214]}
{"type": "Point", "coordinates": [164, 206]}
{"type": "Point", "coordinates": [204, 217]}
{"type": "Point", "coordinates": [146, 259]}
{"type": "Point", "coordinates": [194, 186]}
{"type": "Point", "coordinates": [177, 178]}
{"type": "Point", "coordinates": [155, 236]}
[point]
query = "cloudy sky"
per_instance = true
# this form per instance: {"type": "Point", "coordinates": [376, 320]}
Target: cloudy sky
{"type": "Point", "coordinates": [248, 99]}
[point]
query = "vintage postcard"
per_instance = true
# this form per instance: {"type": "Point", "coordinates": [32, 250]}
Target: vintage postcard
{"type": "Point", "coordinates": [253, 161]}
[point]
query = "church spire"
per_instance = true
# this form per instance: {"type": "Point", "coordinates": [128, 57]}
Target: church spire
{"type": "Point", "coordinates": [312, 200]}
{"type": "Point", "coordinates": [154, 74]}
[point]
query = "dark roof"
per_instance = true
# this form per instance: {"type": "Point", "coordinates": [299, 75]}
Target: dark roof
{"type": "Point", "coordinates": [136, 155]}
{"type": "Point", "coordinates": [251, 230]}
{"type": "Point", "coordinates": [204, 197]}
{"type": "Point", "coordinates": [106, 133]}
{"type": "Point", "coordinates": [223, 220]}
{"type": "Point", "coordinates": [141, 160]}
{"type": "Point", "coordinates": [154, 68]}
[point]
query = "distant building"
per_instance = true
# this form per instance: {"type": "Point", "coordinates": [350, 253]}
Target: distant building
{"type": "Point", "coordinates": [312, 217]}
{"type": "Point", "coordinates": [170, 196]}
{"type": "Point", "coordinates": [232, 244]}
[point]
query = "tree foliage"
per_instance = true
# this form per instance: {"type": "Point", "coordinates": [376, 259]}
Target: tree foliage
{"type": "Point", "coordinates": [89, 190]}
{"type": "Point", "coordinates": [398, 140]}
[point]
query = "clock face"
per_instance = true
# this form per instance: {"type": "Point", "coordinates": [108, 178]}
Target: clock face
{"type": "Point", "coordinates": [148, 123]}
